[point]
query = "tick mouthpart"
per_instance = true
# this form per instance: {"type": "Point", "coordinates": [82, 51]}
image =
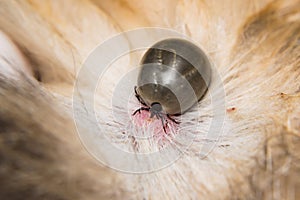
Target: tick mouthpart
{"type": "Point", "coordinates": [155, 109]}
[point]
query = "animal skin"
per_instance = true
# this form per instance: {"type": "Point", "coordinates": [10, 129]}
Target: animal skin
{"type": "Point", "coordinates": [255, 48]}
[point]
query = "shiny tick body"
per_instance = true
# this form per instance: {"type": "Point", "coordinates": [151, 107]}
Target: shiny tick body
{"type": "Point", "coordinates": [174, 75]}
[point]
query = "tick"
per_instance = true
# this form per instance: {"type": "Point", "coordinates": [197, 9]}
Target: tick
{"type": "Point", "coordinates": [174, 76]}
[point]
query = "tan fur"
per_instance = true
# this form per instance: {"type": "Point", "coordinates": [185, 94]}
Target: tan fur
{"type": "Point", "coordinates": [255, 46]}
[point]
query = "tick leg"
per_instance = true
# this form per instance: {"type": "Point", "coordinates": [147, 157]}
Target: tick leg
{"type": "Point", "coordinates": [166, 124]}
{"type": "Point", "coordinates": [138, 97]}
{"type": "Point", "coordinates": [164, 129]}
{"type": "Point", "coordinates": [173, 120]}
{"type": "Point", "coordinates": [162, 122]}
{"type": "Point", "coordinates": [139, 110]}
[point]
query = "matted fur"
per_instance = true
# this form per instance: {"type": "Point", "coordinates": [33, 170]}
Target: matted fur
{"type": "Point", "coordinates": [255, 46]}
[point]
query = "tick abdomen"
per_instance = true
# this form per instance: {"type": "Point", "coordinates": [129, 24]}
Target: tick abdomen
{"type": "Point", "coordinates": [175, 73]}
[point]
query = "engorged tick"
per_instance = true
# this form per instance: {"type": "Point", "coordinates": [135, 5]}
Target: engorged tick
{"type": "Point", "coordinates": [174, 76]}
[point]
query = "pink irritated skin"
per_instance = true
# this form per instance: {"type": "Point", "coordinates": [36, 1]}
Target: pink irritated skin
{"type": "Point", "coordinates": [143, 119]}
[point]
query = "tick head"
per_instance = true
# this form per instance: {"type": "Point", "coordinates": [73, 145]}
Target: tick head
{"type": "Point", "coordinates": [155, 109]}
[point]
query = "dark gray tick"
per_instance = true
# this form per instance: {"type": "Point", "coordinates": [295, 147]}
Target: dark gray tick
{"type": "Point", "coordinates": [174, 76]}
